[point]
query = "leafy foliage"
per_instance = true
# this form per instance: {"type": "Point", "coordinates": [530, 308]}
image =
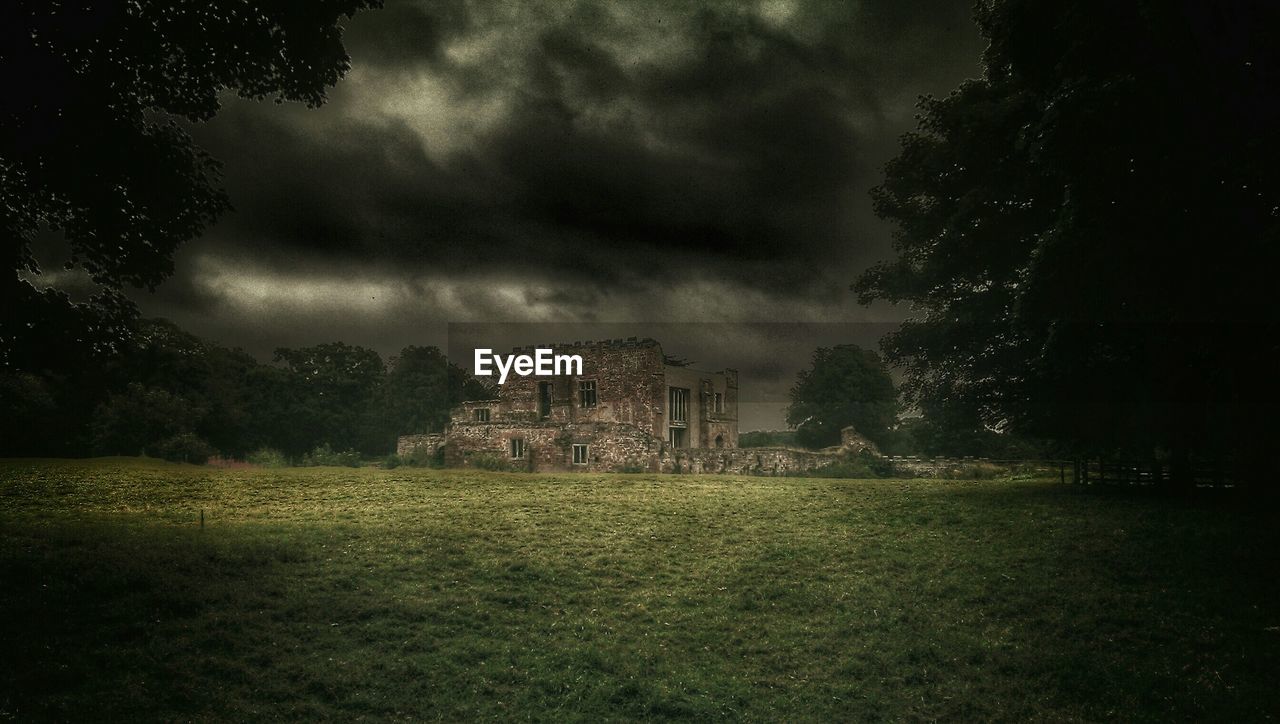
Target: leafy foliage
{"type": "Point", "coordinates": [165, 383]}
{"type": "Point", "coordinates": [1088, 234]}
{"type": "Point", "coordinates": [140, 417]}
{"type": "Point", "coordinates": [93, 143]}
{"type": "Point", "coordinates": [326, 456]}
{"type": "Point", "coordinates": [331, 391]}
{"type": "Point", "coordinates": [846, 385]}
{"type": "Point", "coordinates": [422, 385]}
{"type": "Point", "coordinates": [184, 447]}
{"type": "Point", "coordinates": [267, 458]}
{"type": "Point", "coordinates": [935, 434]}
{"type": "Point", "coordinates": [862, 465]}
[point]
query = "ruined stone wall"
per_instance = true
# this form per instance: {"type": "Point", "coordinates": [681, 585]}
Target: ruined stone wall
{"type": "Point", "coordinates": [407, 444]}
{"type": "Point", "coordinates": [854, 442]}
{"type": "Point", "coordinates": [955, 468]}
{"type": "Point", "coordinates": [626, 428]}
{"type": "Point", "coordinates": [770, 461]}
{"type": "Point", "coordinates": [612, 447]}
{"type": "Point", "coordinates": [548, 446]}
{"type": "Point", "coordinates": [466, 412]}
{"type": "Point", "coordinates": [628, 377]}
{"type": "Point", "coordinates": [704, 423]}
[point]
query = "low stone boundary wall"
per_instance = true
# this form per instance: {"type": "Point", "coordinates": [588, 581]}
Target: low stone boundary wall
{"type": "Point", "coordinates": [965, 467]}
{"type": "Point", "coordinates": [614, 447]}
{"type": "Point", "coordinates": [770, 461]}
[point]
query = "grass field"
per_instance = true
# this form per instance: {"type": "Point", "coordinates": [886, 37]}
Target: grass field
{"type": "Point", "coordinates": [347, 594]}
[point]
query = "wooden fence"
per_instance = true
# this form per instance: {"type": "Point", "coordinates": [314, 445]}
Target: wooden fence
{"type": "Point", "coordinates": [1081, 471]}
{"type": "Point", "coordinates": [1149, 473]}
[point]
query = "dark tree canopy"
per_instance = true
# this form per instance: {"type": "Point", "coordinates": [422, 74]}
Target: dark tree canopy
{"type": "Point", "coordinates": [1087, 235]}
{"type": "Point", "coordinates": [171, 394]}
{"type": "Point", "coordinates": [331, 391]}
{"type": "Point", "coordinates": [92, 139]}
{"type": "Point", "coordinates": [422, 385]}
{"type": "Point", "coordinates": [846, 385]}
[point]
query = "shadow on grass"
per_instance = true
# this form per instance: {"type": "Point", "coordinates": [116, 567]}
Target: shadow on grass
{"type": "Point", "coordinates": [110, 617]}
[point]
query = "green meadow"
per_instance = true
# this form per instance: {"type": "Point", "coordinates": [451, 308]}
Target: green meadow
{"type": "Point", "coordinates": [350, 594]}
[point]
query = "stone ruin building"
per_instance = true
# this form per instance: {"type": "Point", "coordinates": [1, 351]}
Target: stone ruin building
{"type": "Point", "coordinates": [630, 410]}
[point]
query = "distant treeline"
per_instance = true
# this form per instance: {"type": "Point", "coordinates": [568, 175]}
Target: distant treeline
{"type": "Point", "coordinates": [169, 394]}
{"type": "Point", "coordinates": [147, 387]}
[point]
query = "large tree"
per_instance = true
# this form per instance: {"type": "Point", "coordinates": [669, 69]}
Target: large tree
{"type": "Point", "coordinates": [332, 393]}
{"type": "Point", "coordinates": [422, 386]}
{"type": "Point", "coordinates": [93, 145]}
{"type": "Point", "coordinates": [1087, 234]}
{"type": "Point", "coordinates": [846, 385]}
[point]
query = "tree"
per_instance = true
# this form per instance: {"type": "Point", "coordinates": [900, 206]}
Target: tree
{"type": "Point", "coordinates": [214, 379]}
{"type": "Point", "coordinates": [92, 142]}
{"type": "Point", "coordinates": [334, 390]}
{"type": "Point", "coordinates": [141, 420]}
{"type": "Point", "coordinates": [26, 411]}
{"type": "Point", "coordinates": [422, 386]}
{"type": "Point", "coordinates": [846, 385]}
{"type": "Point", "coordinates": [1088, 233]}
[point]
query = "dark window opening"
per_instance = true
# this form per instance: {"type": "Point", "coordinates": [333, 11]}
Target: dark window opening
{"type": "Point", "coordinates": [678, 405]}
{"type": "Point", "coordinates": [544, 400]}
{"type": "Point", "coordinates": [482, 414]}
{"type": "Point", "coordinates": [517, 447]}
{"type": "Point", "coordinates": [678, 437]}
{"type": "Point", "coordinates": [579, 454]}
{"type": "Point", "coordinates": [587, 393]}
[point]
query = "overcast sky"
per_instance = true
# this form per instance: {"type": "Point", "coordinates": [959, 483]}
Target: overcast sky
{"type": "Point", "coordinates": [603, 162]}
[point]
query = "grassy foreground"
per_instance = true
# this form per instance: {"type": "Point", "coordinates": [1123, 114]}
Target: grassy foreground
{"type": "Point", "coordinates": [406, 594]}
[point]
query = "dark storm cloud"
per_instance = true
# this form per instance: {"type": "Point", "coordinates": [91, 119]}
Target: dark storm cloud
{"type": "Point", "coordinates": [615, 163]}
{"type": "Point", "coordinates": [600, 143]}
{"type": "Point", "coordinates": [406, 33]}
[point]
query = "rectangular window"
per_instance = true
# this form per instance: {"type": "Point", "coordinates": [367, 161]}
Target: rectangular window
{"type": "Point", "coordinates": [587, 393]}
{"type": "Point", "coordinates": [517, 447]}
{"type": "Point", "coordinates": [719, 402]}
{"type": "Point", "coordinates": [678, 437]}
{"type": "Point", "coordinates": [579, 454]}
{"type": "Point", "coordinates": [678, 406]}
{"type": "Point", "coordinates": [482, 414]}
